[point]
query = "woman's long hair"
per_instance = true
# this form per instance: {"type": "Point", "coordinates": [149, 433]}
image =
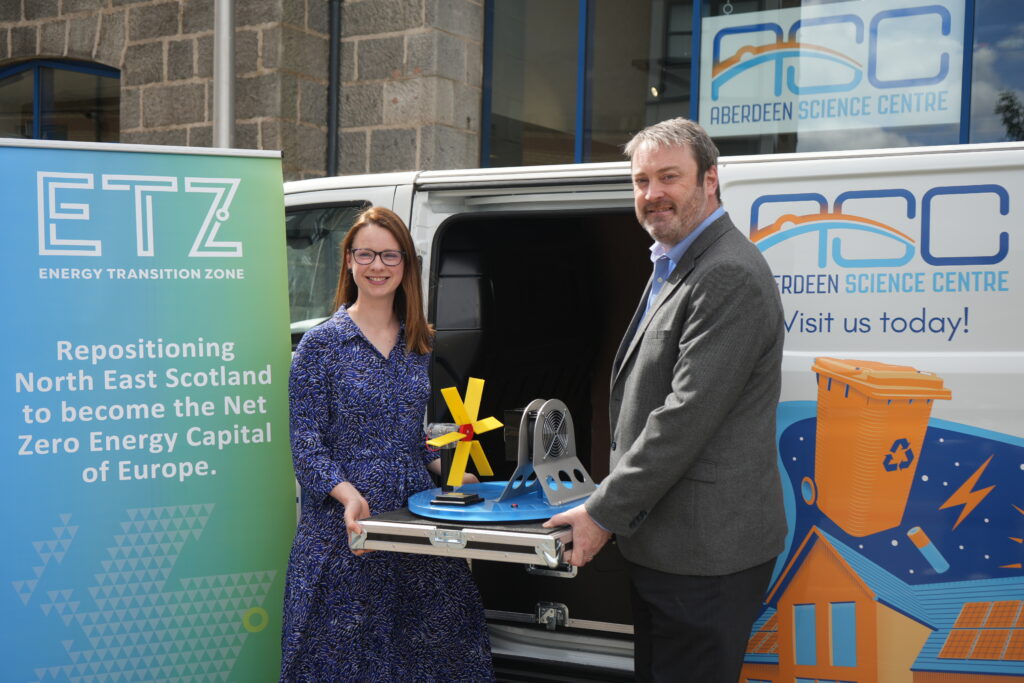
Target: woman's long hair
{"type": "Point", "coordinates": [419, 333]}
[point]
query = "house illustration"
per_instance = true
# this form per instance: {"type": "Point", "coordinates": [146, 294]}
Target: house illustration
{"type": "Point", "coordinates": [834, 615]}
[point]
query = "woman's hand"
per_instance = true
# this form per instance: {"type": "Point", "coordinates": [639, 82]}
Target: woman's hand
{"type": "Point", "coordinates": [356, 508]}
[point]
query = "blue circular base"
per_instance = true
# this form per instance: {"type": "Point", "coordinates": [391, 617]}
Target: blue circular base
{"type": "Point", "coordinates": [525, 508]}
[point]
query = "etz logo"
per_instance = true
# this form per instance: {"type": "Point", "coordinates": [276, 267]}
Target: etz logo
{"type": "Point", "coordinates": [831, 226]}
{"type": "Point", "coordinates": [53, 241]}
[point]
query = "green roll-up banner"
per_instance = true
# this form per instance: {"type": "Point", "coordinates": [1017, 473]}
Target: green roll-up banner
{"type": "Point", "coordinates": [147, 496]}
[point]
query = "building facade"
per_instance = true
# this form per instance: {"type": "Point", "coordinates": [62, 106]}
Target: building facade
{"type": "Point", "coordinates": [464, 83]}
{"type": "Point", "coordinates": [570, 81]}
{"type": "Point", "coordinates": [410, 74]}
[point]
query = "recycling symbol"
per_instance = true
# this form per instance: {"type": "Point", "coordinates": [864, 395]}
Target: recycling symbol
{"type": "Point", "coordinates": [899, 457]}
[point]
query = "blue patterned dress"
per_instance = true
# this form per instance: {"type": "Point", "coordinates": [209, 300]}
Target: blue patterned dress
{"type": "Point", "coordinates": [358, 417]}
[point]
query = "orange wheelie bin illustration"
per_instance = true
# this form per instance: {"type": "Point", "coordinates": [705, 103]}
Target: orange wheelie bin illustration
{"type": "Point", "coordinates": [872, 419]}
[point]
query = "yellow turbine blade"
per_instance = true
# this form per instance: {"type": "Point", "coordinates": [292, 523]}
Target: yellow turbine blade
{"type": "Point", "coordinates": [459, 462]}
{"type": "Point", "coordinates": [474, 390]}
{"type": "Point", "coordinates": [486, 425]}
{"type": "Point", "coordinates": [479, 459]}
{"type": "Point", "coordinates": [445, 439]}
{"type": "Point", "coordinates": [454, 401]}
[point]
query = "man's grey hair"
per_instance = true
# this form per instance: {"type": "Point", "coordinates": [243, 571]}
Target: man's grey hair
{"type": "Point", "coordinates": [678, 132]}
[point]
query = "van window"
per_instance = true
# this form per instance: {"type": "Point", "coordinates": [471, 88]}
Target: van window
{"type": "Point", "coordinates": [314, 261]}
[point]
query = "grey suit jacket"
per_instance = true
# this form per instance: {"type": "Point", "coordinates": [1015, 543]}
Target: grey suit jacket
{"type": "Point", "coordinates": [694, 486]}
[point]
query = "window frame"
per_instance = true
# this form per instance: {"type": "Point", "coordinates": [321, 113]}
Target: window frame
{"type": "Point", "coordinates": [39, 97]}
{"type": "Point", "coordinates": [585, 18]}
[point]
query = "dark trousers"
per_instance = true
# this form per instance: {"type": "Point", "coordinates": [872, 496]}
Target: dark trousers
{"type": "Point", "coordinates": [694, 628]}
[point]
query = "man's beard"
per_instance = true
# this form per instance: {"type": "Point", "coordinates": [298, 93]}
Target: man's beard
{"type": "Point", "coordinates": [675, 228]}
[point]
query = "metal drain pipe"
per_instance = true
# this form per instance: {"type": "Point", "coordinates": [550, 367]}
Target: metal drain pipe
{"type": "Point", "coordinates": [334, 76]}
{"type": "Point", "coordinates": [224, 73]}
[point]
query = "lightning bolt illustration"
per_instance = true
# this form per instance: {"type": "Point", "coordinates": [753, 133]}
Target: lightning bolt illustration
{"type": "Point", "coordinates": [966, 496]}
{"type": "Point", "coordinates": [1019, 565]}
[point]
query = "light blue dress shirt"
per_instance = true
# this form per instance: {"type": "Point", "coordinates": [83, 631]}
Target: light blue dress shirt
{"type": "Point", "coordinates": [666, 260]}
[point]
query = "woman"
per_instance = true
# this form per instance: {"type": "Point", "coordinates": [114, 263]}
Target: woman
{"type": "Point", "coordinates": [358, 390]}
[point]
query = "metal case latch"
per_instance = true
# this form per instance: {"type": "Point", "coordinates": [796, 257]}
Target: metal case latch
{"type": "Point", "coordinates": [449, 538]}
{"type": "Point", "coordinates": [552, 614]}
{"type": "Point", "coordinates": [561, 571]}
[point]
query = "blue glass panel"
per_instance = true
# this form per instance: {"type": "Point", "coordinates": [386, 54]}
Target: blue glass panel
{"type": "Point", "coordinates": [998, 111]}
{"type": "Point", "coordinates": [844, 634]}
{"type": "Point", "coordinates": [804, 635]}
{"type": "Point", "coordinates": [16, 111]}
{"type": "Point", "coordinates": [533, 81]}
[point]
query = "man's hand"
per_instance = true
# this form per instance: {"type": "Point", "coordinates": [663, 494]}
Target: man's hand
{"type": "Point", "coordinates": [587, 537]}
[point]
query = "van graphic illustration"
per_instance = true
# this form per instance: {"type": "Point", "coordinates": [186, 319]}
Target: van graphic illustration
{"type": "Point", "coordinates": [871, 422]}
{"type": "Point", "coordinates": [834, 225]}
{"type": "Point", "coordinates": [897, 570]}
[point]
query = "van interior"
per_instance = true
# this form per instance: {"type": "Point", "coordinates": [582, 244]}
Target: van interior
{"type": "Point", "coordinates": [535, 304]}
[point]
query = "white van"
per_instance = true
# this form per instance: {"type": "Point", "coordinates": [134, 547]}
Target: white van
{"type": "Point", "coordinates": [901, 424]}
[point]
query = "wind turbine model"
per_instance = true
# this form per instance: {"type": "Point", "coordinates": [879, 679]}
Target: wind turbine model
{"type": "Point", "coordinates": [549, 478]}
{"type": "Point", "coordinates": [464, 415]}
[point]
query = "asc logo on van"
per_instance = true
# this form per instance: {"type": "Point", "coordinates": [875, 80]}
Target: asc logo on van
{"type": "Point", "coordinates": [836, 66]}
{"type": "Point", "coordinates": [888, 240]}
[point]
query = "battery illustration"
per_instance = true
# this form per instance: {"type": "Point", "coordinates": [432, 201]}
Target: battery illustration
{"type": "Point", "coordinates": [928, 549]}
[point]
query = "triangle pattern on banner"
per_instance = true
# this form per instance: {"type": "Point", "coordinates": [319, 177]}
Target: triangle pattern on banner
{"type": "Point", "coordinates": [138, 630]}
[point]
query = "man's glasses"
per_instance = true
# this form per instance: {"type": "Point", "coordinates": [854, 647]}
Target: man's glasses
{"type": "Point", "coordinates": [389, 257]}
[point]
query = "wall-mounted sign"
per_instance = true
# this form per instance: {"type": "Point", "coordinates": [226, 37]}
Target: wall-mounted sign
{"type": "Point", "coordinates": [848, 65]}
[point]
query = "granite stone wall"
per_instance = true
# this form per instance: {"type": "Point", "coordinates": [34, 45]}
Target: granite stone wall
{"type": "Point", "coordinates": [411, 84]}
{"type": "Point", "coordinates": [411, 74]}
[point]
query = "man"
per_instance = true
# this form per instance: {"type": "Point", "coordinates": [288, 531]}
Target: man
{"type": "Point", "coordinates": [694, 496]}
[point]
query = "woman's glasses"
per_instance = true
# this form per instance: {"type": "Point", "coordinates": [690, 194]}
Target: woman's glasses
{"type": "Point", "coordinates": [389, 257]}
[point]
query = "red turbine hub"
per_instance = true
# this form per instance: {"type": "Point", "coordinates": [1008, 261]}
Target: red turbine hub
{"type": "Point", "coordinates": [466, 429]}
